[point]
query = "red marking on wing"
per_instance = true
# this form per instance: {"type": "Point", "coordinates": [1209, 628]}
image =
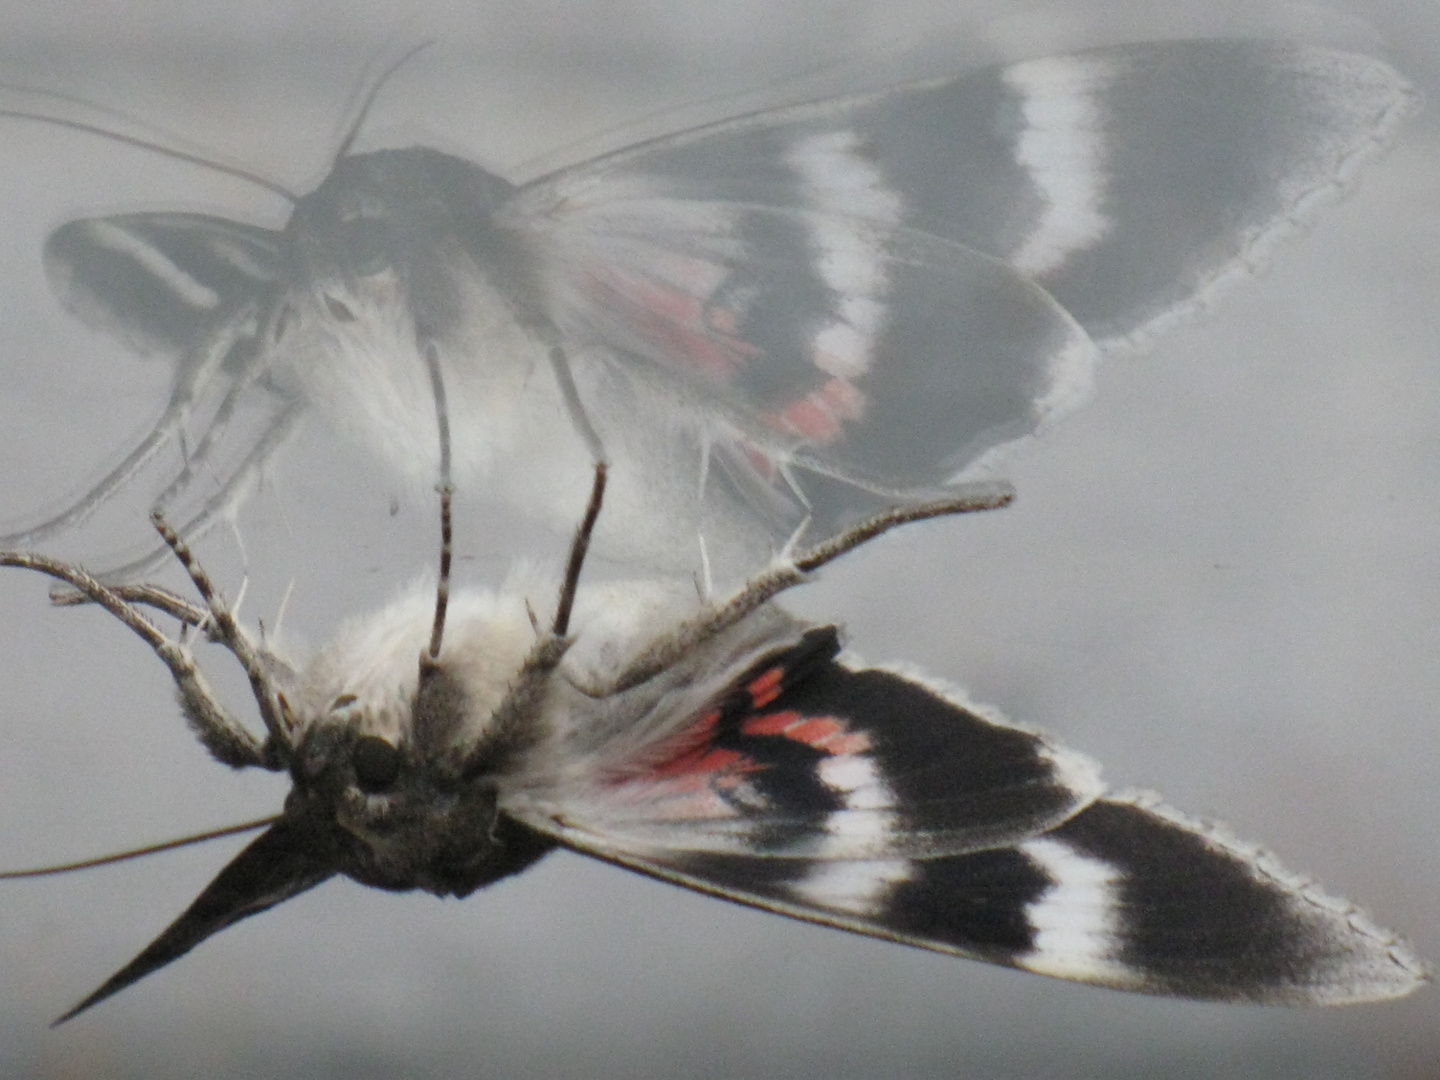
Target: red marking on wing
{"type": "Point", "coordinates": [822, 732]}
{"type": "Point", "coordinates": [690, 766]}
{"type": "Point", "coordinates": [672, 317]}
{"type": "Point", "coordinates": [767, 687]}
{"type": "Point", "coordinates": [770, 724]}
{"type": "Point", "coordinates": [819, 417]}
{"type": "Point", "coordinates": [763, 464]}
{"type": "Point", "coordinates": [724, 320]}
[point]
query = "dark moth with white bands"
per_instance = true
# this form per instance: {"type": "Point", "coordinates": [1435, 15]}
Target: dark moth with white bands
{"type": "Point", "coordinates": [734, 749]}
{"type": "Point", "coordinates": [797, 316]}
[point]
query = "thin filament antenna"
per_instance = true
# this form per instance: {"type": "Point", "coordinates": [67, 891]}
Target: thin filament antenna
{"type": "Point", "coordinates": [157, 148]}
{"type": "Point", "coordinates": [136, 853]}
{"type": "Point", "coordinates": [370, 96]}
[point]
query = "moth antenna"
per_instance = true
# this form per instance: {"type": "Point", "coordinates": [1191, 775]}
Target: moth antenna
{"type": "Point", "coordinates": [140, 852]}
{"type": "Point", "coordinates": [229, 634]}
{"type": "Point", "coordinates": [685, 115]}
{"type": "Point", "coordinates": [151, 145]}
{"type": "Point", "coordinates": [447, 492]}
{"type": "Point", "coordinates": [224, 501]}
{"type": "Point", "coordinates": [967, 499]}
{"type": "Point", "coordinates": [353, 131]}
{"type": "Point", "coordinates": [578, 548]}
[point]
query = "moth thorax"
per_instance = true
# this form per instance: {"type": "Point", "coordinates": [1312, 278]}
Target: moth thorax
{"type": "Point", "coordinates": [371, 670]}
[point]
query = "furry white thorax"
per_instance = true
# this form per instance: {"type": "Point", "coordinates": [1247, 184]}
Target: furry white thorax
{"type": "Point", "coordinates": [375, 659]}
{"type": "Point", "coordinates": [369, 377]}
{"type": "Point", "coordinates": [508, 421]}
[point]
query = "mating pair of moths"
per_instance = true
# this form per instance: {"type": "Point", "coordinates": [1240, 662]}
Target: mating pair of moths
{"type": "Point", "coordinates": [789, 321]}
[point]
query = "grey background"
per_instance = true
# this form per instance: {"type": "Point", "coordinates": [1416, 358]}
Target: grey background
{"type": "Point", "coordinates": [1221, 579]}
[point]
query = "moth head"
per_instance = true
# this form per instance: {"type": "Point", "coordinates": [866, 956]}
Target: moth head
{"type": "Point", "coordinates": [395, 768]}
{"type": "Point", "coordinates": [378, 211]}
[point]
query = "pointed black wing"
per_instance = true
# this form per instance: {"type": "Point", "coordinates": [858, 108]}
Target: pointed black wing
{"type": "Point", "coordinates": [876, 801]}
{"type": "Point", "coordinates": [1126, 894]}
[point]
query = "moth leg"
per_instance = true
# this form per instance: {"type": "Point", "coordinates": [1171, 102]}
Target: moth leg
{"type": "Point", "coordinates": [196, 376]}
{"type": "Point", "coordinates": [223, 502]}
{"type": "Point", "coordinates": [574, 406]}
{"type": "Point", "coordinates": [227, 740]}
{"type": "Point", "coordinates": [782, 575]}
{"type": "Point", "coordinates": [154, 596]}
{"type": "Point", "coordinates": [213, 434]}
{"type": "Point", "coordinates": [230, 634]}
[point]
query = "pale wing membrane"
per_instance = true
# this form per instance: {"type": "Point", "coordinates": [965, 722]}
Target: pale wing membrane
{"type": "Point", "coordinates": [876, 358]}
{"type": "Point", "coordinates": [805, 756]}
{"type": "Point", "coordinates": [1126, 894]}
{"type": "Point", "coordinates": [1129, 181]}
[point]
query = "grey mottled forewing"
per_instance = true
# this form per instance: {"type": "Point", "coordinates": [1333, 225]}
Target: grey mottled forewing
{"type": "Point", "coordinates": [850, 347]}
{"type": "Point", "coordinates": [1128, 180]}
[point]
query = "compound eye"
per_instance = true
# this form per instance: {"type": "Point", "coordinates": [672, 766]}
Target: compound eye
{"type": "Point", "coordinates": [376, 762]}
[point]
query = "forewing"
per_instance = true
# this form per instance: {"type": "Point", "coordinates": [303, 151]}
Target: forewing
{"type": "Point", "coordinates": [160, 282]}
{"type": "Point", "coordinates": [850, 347]}
{"type": "Point", "coordinates": [804, 755]}
{"type": "Point", "coordinates": [1129, 181]}
{"type": "Point", "coordinates": [1126, 893]}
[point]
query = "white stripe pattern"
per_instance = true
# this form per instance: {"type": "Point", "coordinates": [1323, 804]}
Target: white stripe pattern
{"type": "Point", "coordinates": [1063, 150]}
{"type": "Point", "coordinates": [107, 234]}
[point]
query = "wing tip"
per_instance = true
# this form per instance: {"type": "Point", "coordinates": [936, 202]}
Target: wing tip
{"type": "Point", "coordinates": [1341, 956]}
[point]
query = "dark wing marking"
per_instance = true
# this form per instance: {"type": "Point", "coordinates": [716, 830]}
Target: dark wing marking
{"type": "Point", "coordinates": [1129, 181]}
{"type": "Point", "coordinates": [804, 756]}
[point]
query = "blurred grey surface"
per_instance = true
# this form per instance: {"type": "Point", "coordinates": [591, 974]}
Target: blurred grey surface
{"type": "Point", "coordinates": [1221, 579]}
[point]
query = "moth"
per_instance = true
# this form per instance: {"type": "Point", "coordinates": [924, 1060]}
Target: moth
{"type": "Point", "coordinates": [727, 746]}
{"type": "Point", "coordinates": [788, 319]}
